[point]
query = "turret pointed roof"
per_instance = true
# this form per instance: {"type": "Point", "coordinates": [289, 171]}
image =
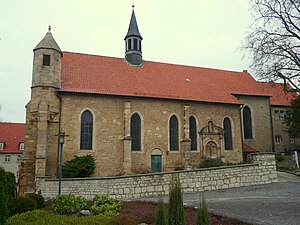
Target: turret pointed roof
{"type": "Point", "coordinates": [48, 42]}
{"type": "Point", "coordinates": [133, 29]}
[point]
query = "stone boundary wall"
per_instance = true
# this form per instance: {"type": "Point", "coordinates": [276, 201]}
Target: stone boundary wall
{"type": "Point", "coordinates": [261, 171]}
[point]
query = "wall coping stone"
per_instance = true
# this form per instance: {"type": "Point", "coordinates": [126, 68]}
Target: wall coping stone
{"type": "Point", "coordinates": [152, 174]}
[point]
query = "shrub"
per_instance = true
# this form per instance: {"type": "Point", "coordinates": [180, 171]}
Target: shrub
{"type": "Point", "coordinates": [176, 209]}
{"type": "Point", "coordinates": [68, 204]}
{"type": "Point", "coordinates": [11, 185]}
{"type": "Point", "coordinates": [40, 217]}
{"type": "Point", "coordinates": [125, 219]}
{"type": "Point", "coordinates": [160, 216]}
{"type": "Point", "coordinates": [279, 158]}
{"type": "Point", "coordinates": [3, 197]}
{"type": "Point", "coordinates": [103, 204]}
{"type": "Point", "coordinates": [202, 213]}
{"type": "Point", "coordinates": [21, 204]}
{"type": "Point", "coordinates": [209, 162]}
{"type": "Point", "coordinates": [38, 198]}
{"type": "Point", "coordinates": [80, 166]}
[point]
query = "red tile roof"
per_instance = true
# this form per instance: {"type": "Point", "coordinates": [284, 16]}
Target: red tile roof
{"type": "Point", "coordinates": [12, 134]}
{"type": "Point", "coordinates": [279, 97]}
{"type": "Point", "coordinates": [113, 76]}
{"type": "Point", "coordinates": [248, 149]}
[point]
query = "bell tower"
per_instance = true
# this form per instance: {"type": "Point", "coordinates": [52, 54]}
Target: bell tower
{"type": "Point", "coordinates": [133, 43]}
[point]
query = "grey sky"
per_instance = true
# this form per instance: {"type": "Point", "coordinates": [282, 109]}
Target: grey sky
{"type": "Point", "coordinates": [206, 33]}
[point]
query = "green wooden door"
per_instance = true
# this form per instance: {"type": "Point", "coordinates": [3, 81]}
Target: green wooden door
{"type": "Point", "coordinates": [156, 165]}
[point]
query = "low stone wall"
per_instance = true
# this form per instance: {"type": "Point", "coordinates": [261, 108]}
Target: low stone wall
{"type": "Point", "coordinates": [261, 171]}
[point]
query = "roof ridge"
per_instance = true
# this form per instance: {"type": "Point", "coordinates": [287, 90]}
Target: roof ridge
{"type": "Point", "coordinates": [166, 63]}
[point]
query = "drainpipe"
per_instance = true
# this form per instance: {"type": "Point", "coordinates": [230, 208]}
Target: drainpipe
{"type": "Point", "coordinates": [59, 129]}
{"type": "Point", "coordinates": [272, 130]}
{"type": "Point", "coordinates": [241, 127]}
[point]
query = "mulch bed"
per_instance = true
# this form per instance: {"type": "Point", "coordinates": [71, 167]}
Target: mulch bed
{"type": "Point", "coordinates": [146, 213]}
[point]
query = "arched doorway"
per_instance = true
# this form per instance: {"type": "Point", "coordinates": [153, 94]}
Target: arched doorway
{"type": "Point", "coordinates": [156, 161]}
{"type": "Point", "coordinates": [212, 149]}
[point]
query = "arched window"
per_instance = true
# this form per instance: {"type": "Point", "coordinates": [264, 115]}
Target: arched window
{"type": "Point", "coordinates": [86, 131]}
{"type": "Point", "coordinates": [135, 132]}
{"type": "Point", "coordinates": [173, 133]}
{"type": "Point", "coordinates": [193, 133]}
{"type": "Point", "coordinates": [247, 122]}
{"type": "Point", "coordinates": [227, 134]}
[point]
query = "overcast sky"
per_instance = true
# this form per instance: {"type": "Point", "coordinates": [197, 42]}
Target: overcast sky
{"type": "Point", "coordinates": [205, 33]}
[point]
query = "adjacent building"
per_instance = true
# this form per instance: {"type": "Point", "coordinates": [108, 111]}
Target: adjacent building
{"type": "Point", "coordinates": [12, 138]}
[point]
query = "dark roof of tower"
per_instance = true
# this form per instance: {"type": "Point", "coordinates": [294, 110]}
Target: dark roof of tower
{"type": "Point", "coordinates": [133, 29]}
{"type": "Point", "coordinates": [48, 42]}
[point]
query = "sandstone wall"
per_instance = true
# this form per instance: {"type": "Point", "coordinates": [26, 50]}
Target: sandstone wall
{"type": "Point", "coordinates": [261, 171]}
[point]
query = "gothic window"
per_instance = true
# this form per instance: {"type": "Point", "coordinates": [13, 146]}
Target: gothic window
{"type": "Point", "coordinates": [227, 134]}
{"type": "Point", "coordinates": [86, 132]}
{"type": "Point", "coordinates": [173, 133]}
{"type": "Point", "coordinates": [46, 60]}
{"type": "Point", "coordinates": [135, 132]}
{"type": "Point", "coordinates": [193, 133]}
{"type": "Point", "coordinates": [247, 122]}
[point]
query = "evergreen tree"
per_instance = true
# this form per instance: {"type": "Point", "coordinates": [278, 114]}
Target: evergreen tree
{"type": "Point", "coordinates": [202, 213]}
{"type": "Point", "coordinates": [160, 216]}
{"type": "Point", "coordinates": [3, 197]}
{"type": "Point", "coordinates": [176, 209]}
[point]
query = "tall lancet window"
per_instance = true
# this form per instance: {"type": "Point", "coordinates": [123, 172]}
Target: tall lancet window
{"type": "Point", "coordinates": [227, 134]}
{"type": "Point", "coordinates": [193, 133]}
{"type": "Point", "coordinates": [247, 123]}
{"type": "Point", "coordinates": [173, 133]}
{"type": "Point", "coordinates": [135, 132]}
{"type": "Point", "coordinates": [86, 131]}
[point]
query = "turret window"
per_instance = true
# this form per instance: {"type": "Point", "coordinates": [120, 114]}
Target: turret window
{"type": "Point", "coordinates": [129, 44]}
{"type": "Point", "coordinates": [140, 45]}
{"type": "Point", "coordinates": [135, 44]}
{"type": "Point", "coordinates": [46, 60]}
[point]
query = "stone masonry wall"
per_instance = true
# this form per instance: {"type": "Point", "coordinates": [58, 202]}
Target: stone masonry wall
{"type": "Point", "coordinates": [261, 171]}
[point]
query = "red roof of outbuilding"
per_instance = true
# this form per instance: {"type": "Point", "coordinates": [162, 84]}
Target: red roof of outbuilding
{"type": "Point", "coordinates": [12, 134]}
{"type": "Point", "coordinates": [113, 76]}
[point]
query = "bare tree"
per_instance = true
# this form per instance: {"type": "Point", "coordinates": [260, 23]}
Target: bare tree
{"type": "Point", "coordinates": [274, 43]}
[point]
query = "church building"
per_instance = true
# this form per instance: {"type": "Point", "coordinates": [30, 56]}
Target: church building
{"type": "Point", "coordinates": [137, 116]}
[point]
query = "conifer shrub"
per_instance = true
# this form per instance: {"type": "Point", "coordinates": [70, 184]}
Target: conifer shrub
{"type": "Point", "coordinates": [211, 162]}
{"type": "Point", "coordinates": [103, 204]}
{"type": "Point", "coordinates": [202, 213]}
{"type": "Point", "coordinates": [68, 204]}
{"type": "Point", "coordinates": [176, 208]}
{"type": "Point", "coordinates": [11, 185]}
{"type": "Point", "coordinates": [80, 166]}
{"type": "Point", "coordinates": [160, 216]}
{"type": "Point", "coordinates": [38, 198]}
{"type": "Point", "coordinates": [21, 204]}
{"type": "Point", "coordinates": [3, 197]}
